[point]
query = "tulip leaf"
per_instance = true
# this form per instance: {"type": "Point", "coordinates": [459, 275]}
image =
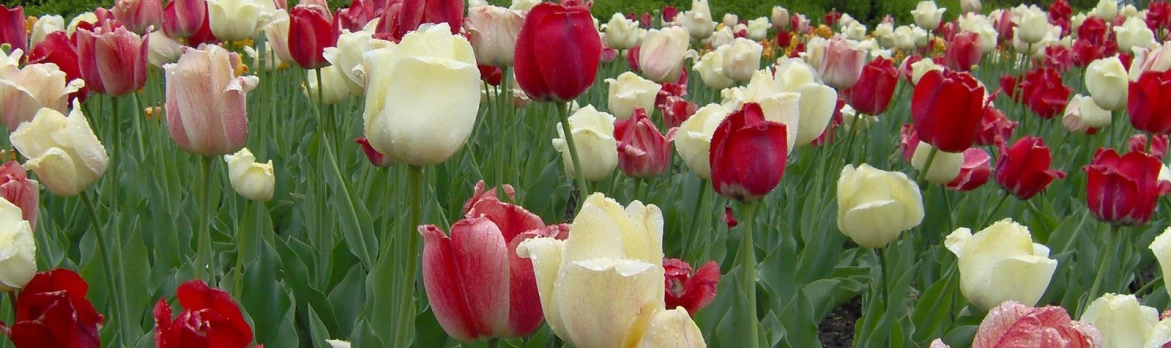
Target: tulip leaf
{"type": "Point", "coordinates": [364, 336]}
{"type": "Point", "coordinates": [263, 297]}
{"type": "Point", "coordinates": [961, 337]}
{"type": "Point", "coordinates": [348, 296]}
{"type": "Point", "coordinates": [932, 312]}
{"type": "Point", "coordinates": [317, 331]}
{"type": "Point", "coordinates": [297, 276]}
{"type": "Point", "coordinates": [356, 226]}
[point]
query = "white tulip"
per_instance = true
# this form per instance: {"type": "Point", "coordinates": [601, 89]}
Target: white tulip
{"type": "Point", "coordinates": [593, 136]}
{"type": "Point", "coordinates": [630, 91]}
{"type": "Point", "coordinates": [1001, 263]}
{"type": "Point", "coordinates": [252, 180]}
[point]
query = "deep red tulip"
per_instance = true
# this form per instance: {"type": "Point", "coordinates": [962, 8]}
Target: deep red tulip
{"type": "Point", "coordinates": [12, 28]}
{"type": "Point", "coordinates": [139, 15]}
{"type": "Point", "coordinates": [52, 311]}
{"type": "Point", "coordinates": [908, 141]}
{"type": "Point", "coordinates": [947, 108]}
{"type": "Point", "coordinates": [311, 30]}
{"type": "Point", "coordinates": [17, 188]}
{"type": "Point", "coordinates": [1011, 87]}
{"type": "Point", "coordinates": [1084, 52]}
{"type": "Point", "coordinates": [1158, 15]}
{"type": "Point", "coordinates": [669, 13]}
{"type": "Point", "coordinates": [729, 217]}
{"type": "Point", "coordinates": [1093, 30]}
{"type": "Point", "coordinates": [113, 60]}
{"type": "Point", "coordinates": [1023, 170]}
{"type": "Point", "coordinates": [632, 58]}
{"type": "Point", "coordinates": [376, 158]}
{"type": "Point", "coordinates": [203, 35]}
{"type": "Point", "coordinates": [491, 74]}
{"type": "Point", "coordinates": [644, 21]}
{"type": "Point", "coordinates": [1123, 190]}
{"type": "Point", "coordinates": [946, 31]}
{"type": "Point", "coordinates": [1058, 57]}
{"type": "Point", "coordinates": [1004, 26]}
{"type": "Point", "coordinates": [748, 154]}
{"type": "Point", "coordinates": [832, 17]}
{"type": "Point", "coordinates": [676, 110]}
{"type": "Point", "coordinates": [1158, 145]}
{"type": "Point", "coordinates": [1149, 101]}
{"type": "Point", "coordinates": [975, 172]}
{"type": "Point", "coordinates": [474, 278]}
{"type": "Point", "coordinates": [687, 289]}
{"type": "Point", "coordinates": [183, 18]}
{"type": "Point", "coordinates": [643, 151]}
{"type": "Point", "coordinates": [210, 318]}
{"type": "Point", "coordinates": [360, 12]}
{"type": "Point", "coordinates": [1060, 11]}
{"type": "Point", "coordinates": [1044, 92]}
{"type": "Point", "coordinates": [58, 50]}
{"type": "Point", "coordinates": [784, 38]}
{"type": "Point", "coordinates": [557, 52]}
{"type": "Point", "coordinates": [995, 127]}
{"type": "Point", "coordinates": [874, 90]}
{"type": "Point", "coordinates": [403, 16]}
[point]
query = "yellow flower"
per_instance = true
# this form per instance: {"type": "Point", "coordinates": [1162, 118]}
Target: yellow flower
{"type": "Point", "coordinates": [940, 45]}
{"type": "Point", "coordinates": [29, 23]}
{"type": "Point", "coordinates": [824, 31]}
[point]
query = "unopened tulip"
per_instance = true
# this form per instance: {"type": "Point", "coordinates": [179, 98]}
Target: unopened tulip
{"type": "Point", "coordinates": [758, 29]}
{"type": "Point", "coordinates": [63, 151]}
{"type": "Point", "coordinates": [842, 64]}
{"type": "Point", "coordinates": [662, 54]}
{"type": "Point", "coordinates": [1032, 25]}
{"type": "Point", "coordinates": [975, 172]}
{"type": "Point", "coordinates": [234, 20]}
{"type": "Point", "coordinates": [311, 30]}
{"type": "Point", "coordinates": [18, 262]}
{"type": "Point", "coordinates": [252, 180]}
{"type": "Point", "coordinates": [1012, 324]}
{"type": "Point", "coordinates": [53, 312]}
{"type": "Point", "coordinates": [711, 70]}
{"type": "Point", "coordinates": [12, 30]}
{"type": "Point", "coordinates": [698, 20]}
{"type": "Point", "coordinates": [113, 60]}
{"type": "Point", "coordinates": [875, 88]}
{"type": "Point", "coordinates": [875, 206]}
{"type": "Point", "coordinates": [780, 17]}
{"type": "Point", "coordinates": [963, 52]}
{"type": "Point", "coordinates": [422, 97]}
{"type": "Point", "coordinates": [1023, 170]}
{"type": "Point", "coordinates": [748, 154]}
{"type": "Point", "coordinates": [1122, 321]}
{"type": "Point", "coordinates": [17, 188]}
{"type": "Point", "coordinates": [44, 26]}
{"type": "Point", "coordinates": [554, 33]}
{"type": "Point", "coordinates": [1044, 92]}
{"type": "Point", "coordinates": [629, 92]}
{"type": "Point", "coordinates": [947, 108]}
{"type": "Point", "coordinates": [927, 15]}
{"type": "Point", "coordinates": [139, 15]}
{"type": "Point", "coordinates": [163, 49]}
{"type": "Point", "coordinates": [694, 137]}
{"type": "Point", "coordinates": [1001, 263]}
{"type": "Point", "coordinates": [333, 85]}
{"type": "Point", "coordinates": [1123, 189]}
{"type": "Point", "coordinates": [210, 317]}
{"type": "Point", "coordinates": [1149, 98]}
{"type": "Point", "coordinates": [494, 32]}
{"type": "Point", "coordinates": [206, 113]}
{"type": "Point", "coordinates": [276, 33]}
{"type": "Point", "coordinates": [688, 289]}
{"type": "Point", "coordinates": [944, 167]}
{"type": "Point", "coordinates": [23, 93]}
{"type": "Point", "coordinates": [1161, 247]}
{"type": "Point", "coordinates": [1133, 34]}
{"type": "Point", "coordinates": [1083, 115]}
{"type": "Point", "coordinates": [477, 285]}
{"type": "Point", "coordinates": [643, 151]}
{"type": "Point", "coordinates": [970, 6]}
{"type": "Point", "coordinates": [593, 132]}
{"type": "Point", "coordinates": [741, 59]}
{"type": "Point", "coordinates": [1106, 80]}
{"type": "Point", "coordinates": [621, 33]}
{"type": "Point", "coordinates": [183, 18]}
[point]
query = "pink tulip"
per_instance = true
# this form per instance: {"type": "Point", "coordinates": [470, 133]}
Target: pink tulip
{"type": "Point", "coordinates": [206, 112]}
{"type": "Point", "coordinates": [975, 172]}
{"type": "Point", "coordinates": [17, 188]}
{"type": "Point", "coordinates": [183, 18]}
{"type": "Point", "coordinates": [643, 151]}
{"type": "Point", "coordinates": [33, 87]}
{"type": "Point", "coordinates": [1016, 325]}
{"type": "Point", "coordinates": [477, 286]}
{"type": "Point", "coordinates": [842, 65]}
{"type": "Point", "coordinates": [58, 50]}
{"type": "Point", "coordinates": [139, 15]}
{"type": "Point", "coordinates": [113, 60]}
{"type": "Point", "coordinates": [12, 28]}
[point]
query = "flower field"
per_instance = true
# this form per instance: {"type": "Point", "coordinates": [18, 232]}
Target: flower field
{"type": "Point", "coordinates": [439, 173]}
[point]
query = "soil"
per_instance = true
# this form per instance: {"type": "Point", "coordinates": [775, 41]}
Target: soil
{"type": "Point", "coordinates": [837, 329]}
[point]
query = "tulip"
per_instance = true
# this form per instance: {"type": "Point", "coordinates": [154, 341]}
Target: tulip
{"type": "Point", "coordinates": [33, 87]}
{"type": "Point", "coordinates": [1083, 115]}
{"type": "Point", "coordinates": [731, 19]}
{"type": "Point", "coordinates": [748, 154]}
{"type": "Point", "coordinates": [947, 108]}
{"type": "Point", "coordinates": [794, 86]}
{"type": "Point", "coordinates": [112, 60]}
{"type": "Point", "coordinates": [524, 5]}
{"type": "Point", "coordinates": [376, 158]}
{"type": "Point", "coordinates": [970, 6]}
{"type": "Point", "coordinates": [643, 151]}
{"type": "Point", "coordinates": [553, 33]}
{"type": "Point", "coordinates": [1023, 170]}
{"type": "Point", "coordinates": [1149, 98]}
{"type": "Point", "coordinates": [139, 15]}
{"type": "Point", "coordinates": [711, 70]}
{"type": "Point", "coordinates": [494, 33]}
{"type": "Point", "coordinates": [780, 17]}
{"type": "Point", "coordinates": [1133, 34]}
{"type": "Point", "coordinates": [347, 57]}
{"type": "Point", "coordinates": [1122, 321]}
{"type": "Point", "coordinates": [400, 18]}
{"type": "Point", "coordinates": [688, 289]}
{"type": "Point", "coordinates": [1044, 92]}
{"type": "Point", "coordinates": [206, 113]}
{"type": "Point", "coordinates": [662, 54]}
{"type": "Point", "coordinates": [621, 33]}
{"type": "Point", "coordinates": [945, 166]}
{"type": "Point", "coordinates": [677, 110]}
{"type": "Point", "coordinates": [252, 180]}
{"type": "Point", "coordinates": [904, 38]}
{"type": "Point", "coordinates": [209, 315]}
{"type": "Point", "coordinates": [758, 29]}
{"type": "Point", "coordinates": [359, 14]}
{"type": "Point", "coordinates": [975, 172]}
{"type": "Point", "coordinates": [234, 20]}
{"type": "Point", "coordinates": [57, 49]}
{"type": "Point", "coordinates": [963, 52]}
{"type": "Point", "coordinates": [855, 31]}
{"type": "Point", "coordinates": [18, 262]}
{"type": "Point", "coordinates": [1123, 189]}
{"type": "Point", "coordinates": [164, 50]}
{"type": "Point", "coordinates": [1001, 263]}
{"type": "Point", "coordinates": [338, 343]}
{"type": "Point", "coordinates": [604, 285]}
{"type": "Point", "coordinates": [311, 30]}
{"type": "Point", "coordinates": [875, 88]}
{"type": "Point", "coordinates": [1012, 324]}
{"type": "Point", "coordinates": [842, 64]}
{"type": "Point", "coordinates": [1106, 81]}
{"type": "Point", "coordinates": [477, 285]}
{"type": "Point", "coordinates": [183, 18]}
{"type": "Point", "coordinates": [593, 131]}
{"type": "Point", "coordinates": [875, 206]}
{"type": "Point", "coordinates": [63, 151]}
{"type": "Point", "coordinates": [12, 28]}
{"type": "Point", "coordinates": [927, 15]}
{"type": "Point", "coordinates": [52, 311]}
{"type": "Point", "coordinates": [995, 127]}
{"type": "Point", "coordinates": [1154, 60]}
{"type": "Point", "coordinates": [1161, 247]}
{"type": "Point", "coordinates": [276, 33]}
{"type": "Point", "coordinates": [693, 139]}
{"type": "Point", "coordinates": [722, 37]}
{"type": "Point", "coordinates": [852, 118]}
{"type": "Point", "coordinates": [333, 83]}
{"type": "Point", "coordinates": [698, 20]}
{"type": "Point", "coordinates": [1158, 145]}
{"type": "Point", "coordinates": [630, 92]}
{"type": "Point", "coordinates": [17, 188]}
{"type": "Point", "coordinates": [740, 59]}
{"type": "Point", "coordinates": [44, 26]}
{"type": "Point", "coordinates": [1032, 25]}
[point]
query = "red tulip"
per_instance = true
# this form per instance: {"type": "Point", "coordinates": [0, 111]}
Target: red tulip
{"type": "Point", "coordinates": [360, 12]}
{"type": "Point", "coordinates": [1058, 57]}
{"type": "Point", "coordinates": [676, 110]}
{"type": "Point", "coordinates": [748, 154]}
{"type": "Point", "coordinates": [784, 38]}
{"type": "Point", "coordinates": [643, 151]}
{"type": "Point", "coordinates": [974, 173]}
{"type": "Point", "coordinates": [183, 18]}
{"type": "Point", "coordinates": [1148, 102]}
{"type": "Point", "coordinates": [12, 28]}
{"type": "Point", "coordinates": [203, 35]}
{"type": "Point", "coordinates": [58, 50]}
{"type": "Point", "coordinates": [1023, 170]}
{"type": "Point", "coordinates": [1085, 52]}
{"type": "Point", "coordinates": [995, 127]}
{"type": "Point", "coordinates": [139, 15]}
{"type": "Point", "coordinates": [403, 16]}
{"type": "Point", "coordinates": [311, 30]}
{"type": "Point", "coordinates": [632, 58]}
{"type": "Point", "coordinates": [1158, 15]}
{"type": "Point", "coordinates": [210, 318]}
{"type": "Point", "coordinates": [113, 60]}
{"type": "Point", "coordinates": [908, 141]}
{"type": "Point", "coordinates": [376, 158]}
{"type": "Point", "coordinates": [669, 13]}
{"type": "Point", "coordinates": [874, 90]}
{"type": "Point", "coordinates": [1138, 143]}
{"type": "Point", "coordinates": [557, 52]}
{"type": "Point", "coordinates": [16, 187]}
{"type": "Point", "coordinates": [691, 290]}
{"type": "Point", "coordinates": [729, 218]}
{"type": "Point", "coordinates": [1004, 26]}
{"type": "Point", "coordinates": [491, 75]}
{"type": "Point", "coordinates": [832, 17]}
{"type": "Point", "coordinates": [1044, 92]}
{"type": "Point", "coordinates": [1123, 189]}
{"type": "Point", "coordinates": [1060, 11]}
{"type": "Point", "coordinates": [1012, 324]}
{"type": "Point", "coordinates": [1093, 30]}
{"type": "Point", "coordinates": [477, 286]}
{"type": "Point", "coordinates": [947, 31]}
{"type": "Point", "coordinates": [52, 311]}
{"type": "Point", "coordinates": [1011, 87]}
{"type": "Point", "coordinates": [947, 108]}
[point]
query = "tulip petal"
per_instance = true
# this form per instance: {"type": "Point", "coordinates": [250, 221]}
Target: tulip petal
{"type": "Point", "coordinates": [602, 321]}
{"type": "Point", "coordinates": [546, 255]}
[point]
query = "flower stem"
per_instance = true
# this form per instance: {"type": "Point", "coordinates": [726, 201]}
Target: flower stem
{"type": "Point", "coordinates": [748, 274]}
{"type": "Point", "coordinates": [884, 287]}
{"type": "Point", "coordinates": [699, 204]}
{"type": "Point", "coordinates": [1107, 256]}
{"type": "Point", "coordinates": [412, 237]}
{"type": "Point", "coordinates": [203, 249]}
{"type": "Point", "coordinates": [117, 296]}
{"type": "Point", "coordinates": [984, 221]}
{"type": "Point", "coordinates": [563, 112]}
{"type": "Point", "coordinates": [922, 180]}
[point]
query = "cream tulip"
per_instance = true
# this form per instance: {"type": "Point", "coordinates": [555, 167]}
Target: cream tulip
{"type": "Point", "coordinates": [252, 180]}
{"type": "Point", "coordinates": [722, 37]}
{"type": "Point", "coordinates": [758, 29]}
{"type": "Point", "coordinates": [875, 206]}
{"type": "Point", "coordinates": [593, 134]}
{"type": "Point", "coordinates": [1001, 263]}
{"type": "Point", "coordinates": [851, 118]}
{"type": "Point", "coordinates": [333, 84]}
{"type": "Point", "coordinates": [422, 97]}
{"type": "Point", "coordinates": [524, 5]}
{"type": "Point", "coordinates": [44, 26]}
{"type": "Point", "coordinates": [346, 57]}
{"type": "Point", "coordinates": [1161, 246]}
{"type": "Point", "coordinates": [1106, 9]}
{"type": "Point", "coordinates": [271, 61]}
{"type": "Point", "coordinates": [817, 102]}
{"type": "Point", "coordinates": [741, 59]}
{"type": "Point", "coordinates": [711, 70]}
{"type": "Point", "coordinates": [698, 20]}
{"type": "Point", "coordinates": [780, 17]}
{"type": "Point", "coordinates": [62, 150]}
{"type": "Point", "coordinates": [277, 34]}
{"type": "Point", "coordinates": [164, 50]}
{"type": "Point", "coordinates": [1122, 321]}
{"type": "Point", "coordinates": [18, 249]}
{"type": "Point", "coordinates": [24, 92]}
{"type": "Point", "coordinates": [1134, 34]}
{"type": "Point", "coordinates": [233, 20]}
{"type": "Point", "coordinates": [1129, 11]}
{"type": "Point", "coordinates": [1032, 25]}
{"type": "Point", "coordinates": [77, 20]}
{"type": "Point", "coordinates": [621, 33]}
{"type": "Point", "coordinates": [338, 343]}
{"type": "Point", "coordinates": [922, 67]}
{"type": "Point", "coordinates": [905, 38]}
{"type": "Point", "coordinates": [1083, 114]}
{"type": "Point", "coordinates": [630, 91]}
{"type": "Point", "coordinates": [885, 33]}
{"type": "Point", "coordinates": [945, 167]}
{"type": "Point", "coordinates": [662, 53]}
{"type": "Point", "coordinates": [731, 19]}
{"type": "Point", "coordinates": [1156, 59]}
{"type": "Point", "coordinates": [970, 6]}
{"type": "Point", "coordinates": [493, 33]}
{"type": "Point", "coordinates": [855, 31]}
{"type": "Point", "coordinates": [778, 106]}
{"type": "Point", "coordinates": [927, 15]}
{"type": "Point", "coordinates": [670, 328]}
{"type": "Point", "coordinates": [693, 140]}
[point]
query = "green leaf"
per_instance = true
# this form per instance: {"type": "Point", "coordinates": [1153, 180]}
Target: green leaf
{"type": "Point", "coordinates": [317, 330]}
{"type": "Point", "coordinates": [932, 313]}
{"type": "Point", "coordinates": [264, 299]}
{"type": "Point", "coordinates": [356, 226]}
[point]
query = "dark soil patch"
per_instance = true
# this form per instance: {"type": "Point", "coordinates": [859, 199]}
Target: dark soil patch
{"type": "Point", "coordinates": [837, 329]}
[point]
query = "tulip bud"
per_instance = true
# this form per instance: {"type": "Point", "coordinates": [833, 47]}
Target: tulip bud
{"type": "Point", "coordinates": [1122, 321]}
{"type": "Point", "coordinates": [12, 28]}
{"type": "Point", "coordinates": [209, 315]}
{"type": "Point", "coordinates": [780, 17]}
{"type": "Point", "coordinates": [183, 18]}
{"type": "Point", "coordinates": [1123, 189]}
{"type": "Point", "coordinates": [693, 139]}
{"type": "Point", "coordinates": [113, 59]}
{"type": "Point", "coordinates": [630, 92]}
{"type": "Point", "coordinates": [875, 206]}
{"type": "Point", "coordinates": [65, 167]}
{"type": "Point", "coordinates": [927, 15]}
{"type": "Point", "coordinates": [670, 328]}
{"type": "Point", "coordinates": [698, 20]}
{"type": "Point", "coordinates": [18, 263]}
{"type": "Point", "coordinates": [711, 70]}
{"type": "Point", "coordinates": [1032, 25]}
{"type": "Point", "coordinates": [947, 108]}
{"type": "Point", "coordinates": [593, 133]}
{"type": "Point", "coordinates": [252, 180]}
{"type": "Point", "coordinates": [621, 33]}
{"type": "Point", "coordinates": [1133, 34]}
{"type": "Point", "coordinates": [662, 54]}
{"type": "Point", "coordinates": [875, 88]}
{"type": "Point", "coordinates": [1083, 115]}
{"type": "Point", "coordinates": [748, 154]}
{"type": "Point", "coordinates": [494, 33]}
{"type": "Point", "coordinates": [206, 114]}
{"type": "Point", "coordinates": [1106, 81]}
{"type": "Point", "coordinates": [1106, 9]}
{"type": "Point", "coordinates": [643, 151]}
{"type": "Point", "coordinates": [1001, 263]}
{"type": "Point", "coordinates": [970, 6]}
{"type": "Point", "coordinates": [553, 33]}
{"type": "Point", "coordinates": [311, 30]}
{"type": "Point", "coordinates": [23, 93]}
{"type": "Point", "coordinates": [944, 167]}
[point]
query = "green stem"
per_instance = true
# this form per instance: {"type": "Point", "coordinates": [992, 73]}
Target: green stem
{"type": "Point", "coordinates": [947, 206]}
{"type": "Point", "coordinates": [1149, 285]}
{"type": "Point", "coordinates": [112, 277]}
{"type": "Point", "coordinates": [699, 203]}
{"type": "Point", "coordinates": [747, 259]}
{"type": "Point", "coordinates": [563, 112]}
{"type": "Point", "coordinates": [203, 249]}
{"type": "Point", "coordinates": [138, 125]}
{"type": "Point", "coordinates": [1106, 257]}
{"type": "Point", "coordinates": [494, 343]}
{"type": "Point", "coordinates": [412, 237]}
{"type": "Point", "coordinates": [984, 221]}
{"type": "Point", "coordinates": [638, 186]}
{"type": "Point", "coordinates": [884, 286]}
{"type": "Point", "coordinates": [922, 180]}
{"type": "Point", "coordinates": [850, 141]}
{"type": "Point", "coordinates": [242, 243]}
